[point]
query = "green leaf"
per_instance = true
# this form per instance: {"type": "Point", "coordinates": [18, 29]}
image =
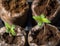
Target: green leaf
{"type": "Point", "coordinates": [7, 31]}
{"type": "Point", "coordinates": [45, 20]}
{"type": "Point", "coordinates": [37, 18]}
{"type": "Point", "coordinates": [40, 23]}
{"type": "Point", "coordinates": [7, 25]}
{"type": "Point", "coordinates": [12, 30]}
{"type": "Point", "coordinates": [42, 16]}
{"type": "Point", "coordinates": [13, 33]}
{"type": "Point", "coordinates": [13, 26]}
{"type": "Point", "coordinates": [41, 19]}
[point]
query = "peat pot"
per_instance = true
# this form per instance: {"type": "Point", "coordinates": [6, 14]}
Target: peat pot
{"type": "Point", "coordinates": [48, 7]}
{"type": "Point", "coordinates": [9, 40]}
{"type": "Point", "coordinates": [14, 12]}
{"type": "Point", "coordinates": [48, 35]}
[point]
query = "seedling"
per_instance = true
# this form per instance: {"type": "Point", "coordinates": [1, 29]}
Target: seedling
{"type": "Point", "coordinates": [10, 29]}
{"type": "Point", "coordinates": [41, 19]}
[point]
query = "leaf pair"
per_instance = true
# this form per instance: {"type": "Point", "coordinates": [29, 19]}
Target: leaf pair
{"type": "Point", "coordinates": [41, 19]}
{"type": "Point", "coordinates": [10, 29]}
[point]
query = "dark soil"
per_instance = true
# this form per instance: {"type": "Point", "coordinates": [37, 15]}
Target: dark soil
{"type": "Point", "coordinates": [18, 11]}
{"type": "Point", "coordinates": [18, 40]}
{"type": "Point", "coordinates": [15, 6]}
{"type": "Point", "coordinates": [45, 35]}
{"type": "Point", "coordinates": [47, 8]}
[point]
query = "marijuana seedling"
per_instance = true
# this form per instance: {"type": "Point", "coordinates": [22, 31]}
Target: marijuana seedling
{"type": "Point", "coordinates": [10, 29]}
{"type": "Point", "coordinates": [41, 19]}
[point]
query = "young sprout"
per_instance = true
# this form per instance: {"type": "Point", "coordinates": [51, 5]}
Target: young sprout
{"type": "Point", "coordinates": [41, 19]}
{"type": "Point", "coordinates": [10, 29]}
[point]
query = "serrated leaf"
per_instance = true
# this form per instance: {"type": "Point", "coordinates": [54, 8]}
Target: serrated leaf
{"type": "Point", "coordinates": [41, 19]}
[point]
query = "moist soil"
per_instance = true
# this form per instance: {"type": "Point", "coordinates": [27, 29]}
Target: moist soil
{"type": "Point", "coordinates": [46, 35]}
{"type": "Point", "coordinates": [14, 7]}
{"type": "Point", "coordinates": [47, 7]}
{"type": "Point", "coordinates": [9, 40]}
{"type": "Point", "coordinates": [49, 35]}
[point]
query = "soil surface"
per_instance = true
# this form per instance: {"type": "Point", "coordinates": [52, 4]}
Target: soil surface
{"type": "Point", "coordinates": [48, 35]}
{"type": "Point", "coordinates": [47, 7]}
{"type": "Point", "coordinates": [14, 11]}
{"type": "Point", "coordinates": [14, 6]}
{"type": "Point", "coordinates": [18, 40]}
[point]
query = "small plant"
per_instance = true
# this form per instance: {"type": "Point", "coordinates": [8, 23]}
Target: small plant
{"type": "Point", "coordinates": [41, 19]}
{"type": "Point", "coordinates": [10, 29]}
